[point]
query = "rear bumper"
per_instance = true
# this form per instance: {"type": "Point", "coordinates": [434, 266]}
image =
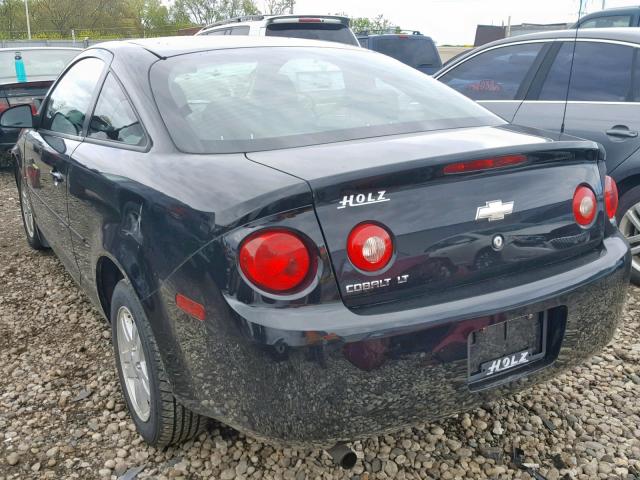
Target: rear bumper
{"type": "Point", "coordinates": [341, 376]}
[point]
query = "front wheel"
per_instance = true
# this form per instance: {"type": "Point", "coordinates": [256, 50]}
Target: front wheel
{"type": "Point", "coordinates": [159, 418]}
{"type": "Point", "coordinates": [629, 224]}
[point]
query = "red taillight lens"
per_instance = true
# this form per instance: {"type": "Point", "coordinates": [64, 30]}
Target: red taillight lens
{"type": "Point", "coordinates": [3, 105]}
{"type": "Point", "coordinates": [276, 261]}
{"type": "Point", "coordinates": [369, 247]}
{"type": "Point", "coordinates": [484, 164]}
{"type": "Point", "coordinates": [610, 197]}
{"type": "Point", "coordinates": [584, 205]}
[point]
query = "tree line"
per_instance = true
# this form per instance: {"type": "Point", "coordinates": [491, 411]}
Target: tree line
{"type": "Point", "coordinates": [115, 18]}
{"type": "Point", "coordinates": [51, 19]}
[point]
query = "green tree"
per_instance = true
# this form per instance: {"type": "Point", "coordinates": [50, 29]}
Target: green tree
{"type": "Point", "coordinates": [12, 18]}
{"type": "Point", "coordinates": [64, 15]}
{"type": "Point", "coordinates": [278, 7]}
{"type": "Point", "coordinates": [204, 12]}
{"type": "Point", "coordinates": [378, 24]}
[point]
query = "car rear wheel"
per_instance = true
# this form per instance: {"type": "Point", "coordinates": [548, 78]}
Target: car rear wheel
{"type": "Point", "coordinates": [34, 237]}
{"type": "Point", "coordinates": [629, 224]}
{"type": "Point", "coordinates": [159, 418]}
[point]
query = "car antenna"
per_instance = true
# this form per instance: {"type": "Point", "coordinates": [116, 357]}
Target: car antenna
{"type": "Point", "coordinates": [566, 98]}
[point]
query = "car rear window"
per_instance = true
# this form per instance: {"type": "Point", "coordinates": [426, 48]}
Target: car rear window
{"type": "Point", "coordinates": [412, 50]}
{"type": "Point", "coordinates": [45, 64]}
{"type": "Point", "coordinates": [251, 99]}
{"type": "Point", "coordinates": [327, 32]}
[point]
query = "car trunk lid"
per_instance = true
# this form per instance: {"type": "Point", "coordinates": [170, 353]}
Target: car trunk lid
{"type": "Point", "coordinates": [449, 229]}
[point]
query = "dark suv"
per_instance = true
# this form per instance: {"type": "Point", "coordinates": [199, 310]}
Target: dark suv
{"type": "Point", "coordinates": [416, 50]}
{"type": "Point", "coordinates": [529, 80]}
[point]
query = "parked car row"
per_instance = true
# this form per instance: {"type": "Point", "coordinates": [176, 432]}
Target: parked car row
{"type": "Point", "coordinates": [25, 77]}
{"type": "Point", "coordinates": [284, 233]}
{"type": "Point", "coordinates": [585, 84]}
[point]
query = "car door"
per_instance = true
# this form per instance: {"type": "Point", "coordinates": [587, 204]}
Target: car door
{"type": "Point", "coordinates": [115, 142]}
{"type": "Point", "coordinates": [544, 104]}
{"type": "Point", "coordinates": [48, 151]}
{"type": "Point", "coordinates": [499, 77]}
{"type": "Point", "coordinates": [603, 106]}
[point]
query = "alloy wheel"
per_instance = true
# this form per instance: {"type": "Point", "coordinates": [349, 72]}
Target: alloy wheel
{"type": "Point", "coordinates": [630, 228]}
{"type": "Point", "coordinates": [27, 212]}
{"type": "Point", "coordinates": [133, 364]}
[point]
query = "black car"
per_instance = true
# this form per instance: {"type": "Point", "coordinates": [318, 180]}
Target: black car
{"type": "Point", "coordinates": [416, 50]}
{"type": "Point", "coordinates": [313, 242]}
{"type": "Point", "coordinates": [584, 83]}
{"type": "Point", "coordinates": [611, 17]}
{"type": "Point", "coordinates": [25, 76]}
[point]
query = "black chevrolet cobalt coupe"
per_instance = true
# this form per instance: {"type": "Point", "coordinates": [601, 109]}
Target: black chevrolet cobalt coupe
{"type": "Point", "coordinates": [312, 242]}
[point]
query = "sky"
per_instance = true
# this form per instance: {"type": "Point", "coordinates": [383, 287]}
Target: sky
{"type": "Point", "coordinates": [454, 21]}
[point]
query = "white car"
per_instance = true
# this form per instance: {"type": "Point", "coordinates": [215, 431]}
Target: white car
{"type": "Point", "coordinates": [315, 27]}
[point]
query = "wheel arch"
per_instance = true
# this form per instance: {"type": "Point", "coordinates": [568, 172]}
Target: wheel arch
{"type": "Point", "coordinates": [108, 274]}
{"type": "Point", "coordinates": [627, 173]}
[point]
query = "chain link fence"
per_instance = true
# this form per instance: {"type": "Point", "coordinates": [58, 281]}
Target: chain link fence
{"type": "Point", "coordinates": [84, 37]}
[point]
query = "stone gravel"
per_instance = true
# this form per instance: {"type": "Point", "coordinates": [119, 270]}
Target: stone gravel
{"type": "Point", "coordinates": [62, 413]}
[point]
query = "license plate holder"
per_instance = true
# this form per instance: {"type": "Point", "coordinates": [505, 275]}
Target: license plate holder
{"type": "Point", "coordinates": [502, 348]}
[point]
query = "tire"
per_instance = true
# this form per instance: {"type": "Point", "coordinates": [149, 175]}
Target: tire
{"type": "Point", "coordinates": [161, 420]}
{"type": "Point", "coordinates": [628, 206]}
{"type": "Point", "coordinates": [31, 230]}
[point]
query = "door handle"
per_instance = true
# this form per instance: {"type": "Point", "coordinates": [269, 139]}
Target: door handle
{"type": "Point", "coordinates": [57, 177]}
{"type": "Point", "coordinates": [622, 131]}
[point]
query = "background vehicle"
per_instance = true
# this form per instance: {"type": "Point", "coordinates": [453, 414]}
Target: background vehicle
{"type": "Point", "coordinates": [41, 67]}
{"type": "Point", "coordinates": [416, 50]}
{"type": "Point", "coordinates": [329, 28]}
{"type": "Point", "coordinates": [263, 223]}
{"type": "Point", "coordinates": [611, 17]}
{"type": "Point", "coordinates": [528, 79]}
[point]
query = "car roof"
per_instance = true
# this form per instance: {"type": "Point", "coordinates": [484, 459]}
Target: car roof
{"type": "Point", "coordinates": [171, 46]}
{"type": "Point", "coordinates": [377, 35]}
{"type": "Point", "coordinates": [618, 34]}
{"type": "Point", "coordinates": [249, 19]}
{"type": "Point", "coordinates": [615, 10]}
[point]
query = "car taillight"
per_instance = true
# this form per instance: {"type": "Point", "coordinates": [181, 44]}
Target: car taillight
{"type": "Point", "coordinates": [276, 261]}
{"type": "Point", "coordinates": [584, 205]}
{"type": "Point", "coordinates": [610, 197]}
{"type": "Point", "coordinates": [3, 105]}
{"type": "Point", "coordinates": [369, 247]}
{"type": "Point", "coordinates": [484, 164]}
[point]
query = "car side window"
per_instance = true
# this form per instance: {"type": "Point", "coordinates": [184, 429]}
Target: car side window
{"type": "Point", "coordinates": [495, 74]}
{"type": "Point", "coordinates": [70, 100]}
{"type": "Point", "coordinates": [608, 21]}
{"type": "Point", "coordinates": [241, 30]}
{"type": "Point", "coordinates": [113, 118]}
{"type": "Point", "coordinates": [557, 81]}
{"type": "Point", "coordinates": [601, 72]}
{"type": "Point", "coordinates": [221, 31]}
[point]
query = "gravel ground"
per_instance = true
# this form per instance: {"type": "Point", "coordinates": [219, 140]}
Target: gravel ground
{"type": "Point", "coordinates": [62, 414]}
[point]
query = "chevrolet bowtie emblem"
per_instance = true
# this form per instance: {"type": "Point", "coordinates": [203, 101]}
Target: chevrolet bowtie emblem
{"type": "Point", "coordinates": [494, 210]}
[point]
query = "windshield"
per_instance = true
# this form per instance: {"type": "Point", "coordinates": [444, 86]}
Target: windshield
{"type": "Point", "coordinates": [250, 99]}
{"type": "Point", "coordinates": [313, 31]}
{"type": "Point", "coordinates": [45, 64]}
{"type": "Point", "coordinates": [412, 50]}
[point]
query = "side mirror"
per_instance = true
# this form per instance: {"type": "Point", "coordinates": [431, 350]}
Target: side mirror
{"type": "Point", "coordinates": [19, 116]}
